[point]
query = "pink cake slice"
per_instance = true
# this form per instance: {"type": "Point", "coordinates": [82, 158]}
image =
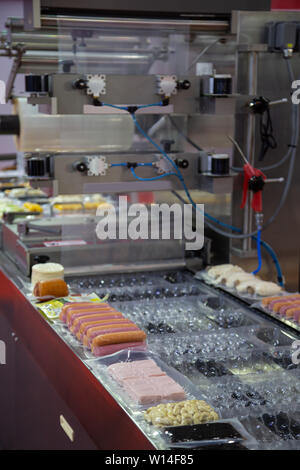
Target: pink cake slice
{"type": "Point", "coordinates": [144, 364]}
{"type": "Point", "coordinates": [141, 391]}
{"type": "Point", "coordinates": [144, 397]}
{"type": "Point", "coordinates": [130, 364]}
{"type": "Point", "coordinates": [147, 390]}
{"type": "Point", "coordinates": [128, 370]}
{"type": "Point", "coordinates": [168, 388]}
{"type": "Point", "coordinates": [112, 348]}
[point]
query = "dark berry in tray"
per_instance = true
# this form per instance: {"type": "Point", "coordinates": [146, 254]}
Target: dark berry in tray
{"type": "Point", "coordinates": [282, 425]}
{"type": "Point", "coordinates": [159, 328]}
{"type": "Point", "coordinates": [211, 368]}
{"type": "Point", "coordinates": [233, 446]}
{"type": "Point", "coordinates": [199, 432]}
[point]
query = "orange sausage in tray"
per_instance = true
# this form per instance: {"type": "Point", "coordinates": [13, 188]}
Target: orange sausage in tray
{"type": "Point", "coordinates": [288, 306]}
{"type": "Point", "coordinates": [102, 328]}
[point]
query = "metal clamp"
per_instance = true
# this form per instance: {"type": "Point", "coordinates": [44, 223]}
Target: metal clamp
{"type": "Point", "coordinates": [96, 85]}
{"type": "Point", "coordinates": [167, 85]}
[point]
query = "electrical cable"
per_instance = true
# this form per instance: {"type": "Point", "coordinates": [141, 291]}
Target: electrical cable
{"type": "Point", "coordinates": [287, 155]}
{"type": "Point", "coordinates": [193, 144]}
{"type": "Point", "coordinates": [293, 146]}
{"type": "Point", "coordinates": [295, 137]}
{"type": "Point", "coordinates": [132, 109]}
{"type": "Point", "coordinates": [258, 244]}
{"type": "Point", "coordinates": [235, 229]}
{"type": "Point", "coordinates": [128, 164]}
{"type": "Point", "coordinates": [153, 178]}
{"type": "Point", "coordinates": [204, 50]}
{"type": "Point", "coordinates": [233, 168]}
{"type": "Point", "coordinates": [266, 134]}
{"type": "Point", "coordinates": [264, 244]}
{"type": "Point", "coordinates": [211, 218]}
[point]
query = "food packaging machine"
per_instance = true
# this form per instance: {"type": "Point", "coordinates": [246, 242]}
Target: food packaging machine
{"type": "Point", "coordinates": [92, 87]}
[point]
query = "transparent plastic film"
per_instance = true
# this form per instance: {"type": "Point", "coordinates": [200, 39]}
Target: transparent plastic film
{"type": "Point", "coordinates": [76, 133]}
{"type": "Point", "coordinates": [123, 47]}
{"type": "Point", "coordinates": [106, 233]}
{"type": "Point", "coordinates": [107, 55]}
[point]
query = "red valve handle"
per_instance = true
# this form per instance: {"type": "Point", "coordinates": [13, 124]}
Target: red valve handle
{"type": "Point", "coordinates": [249, 172]}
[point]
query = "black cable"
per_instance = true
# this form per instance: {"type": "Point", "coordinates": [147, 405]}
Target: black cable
{"type": "Point", "coordinates": [264, 244]}
{"type": "Point", "coordinates": [184, 135]}
{"type": "Point", "coordinates": [291, 145]}
{"type": "Point", "coordinates": [266, 133]}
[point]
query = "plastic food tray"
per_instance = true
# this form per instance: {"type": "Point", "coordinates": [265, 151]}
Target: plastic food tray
{"type": "Point", "coordinates": [233, 433]}
{"type": "Point", "coordinates": [291, 323]}
{"type": "Point", "coordinates": [99, 367]}
{"type": "Point", "coordinates": [203, 276]}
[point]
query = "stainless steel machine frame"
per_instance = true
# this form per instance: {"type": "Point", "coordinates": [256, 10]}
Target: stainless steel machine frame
{"type": "Point", "coordinates": [73, 397]}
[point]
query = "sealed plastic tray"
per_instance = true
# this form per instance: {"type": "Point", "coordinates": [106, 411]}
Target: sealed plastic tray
{"type": "Point", "coordinates": [99, 367]}
{"type": "Point", "coordinates": [286, 321]}
{"type": "Point", "coordinates": [225, 313]}
{"type": "Point", "coordinates": [218, 350]}
{"type": "Point", "coordinates": [82, 351]}
{"type": "Point", "coordinates": [250, 298]}
{"type": "Point", "coordinates": [139, 286]}
{"type": "Point", "coordinates": [274, 337]}
{"type": "Point", "coordinates": [215, 344]}
{"type": "Point", "coordinates": [170, 316]}
{"type": "Point", "coordinates": [113, 281]}
{"type": "Point", "coordinates": [217, 434]}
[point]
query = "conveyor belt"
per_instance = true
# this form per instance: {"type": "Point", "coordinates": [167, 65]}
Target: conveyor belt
{"type": "Point", "coordinates": [218, 348]}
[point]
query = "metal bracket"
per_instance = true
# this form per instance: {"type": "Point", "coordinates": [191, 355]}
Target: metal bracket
{"type": "Point", "coordinates": [20, 50]}
{"type": "Point", "coordinates": [167, 85]}
{"type": "Point", "coordinates": [241, 253]}
{"type": "Point", "coordinates": [32, 14]}
{"type": "Point", "coordinates": [96, 85]}
{"type": "Point", "coordinates": [9, 217]}
{"type": "Point", "coordinates": [97, 166]}
{"type": "Point", "coordinates": [162, 165]}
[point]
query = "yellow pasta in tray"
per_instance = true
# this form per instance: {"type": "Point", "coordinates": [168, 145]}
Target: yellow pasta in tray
{"type": "Point", "coordinates": [181, 413]}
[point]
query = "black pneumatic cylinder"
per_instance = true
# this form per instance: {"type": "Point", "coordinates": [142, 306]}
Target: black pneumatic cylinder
{"type": "Point", "coordinates": [9, 124]}
{"type": "Point", "coordinates": [36, 167]}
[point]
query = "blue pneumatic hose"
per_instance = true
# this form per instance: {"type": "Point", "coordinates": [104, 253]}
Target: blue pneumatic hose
{"type": "Point", "coordinates": [258, 244]}
{"type": "Point", "coordinates": [179, 175]}
{"type": "Point", "coordinates": [231, 227]}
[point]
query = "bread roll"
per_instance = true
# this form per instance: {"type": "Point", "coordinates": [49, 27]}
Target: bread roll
{"type": "Point", "coordinates": [235, 278]}
{"type": "Point", "coordinates": [259, 287]}
{"type": "Point", "coordinates": [51, 288]}
{"type": "Point", "coordinates": [216, 271]}
{"type": "Point", "coordinates": [248, 286]}
{"type": "Point", "coordinates": [267, 288]}
{"type": "Point", "coordinates": [45, 272]}
{"type": "Point", "coordinates": [222, 278]}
